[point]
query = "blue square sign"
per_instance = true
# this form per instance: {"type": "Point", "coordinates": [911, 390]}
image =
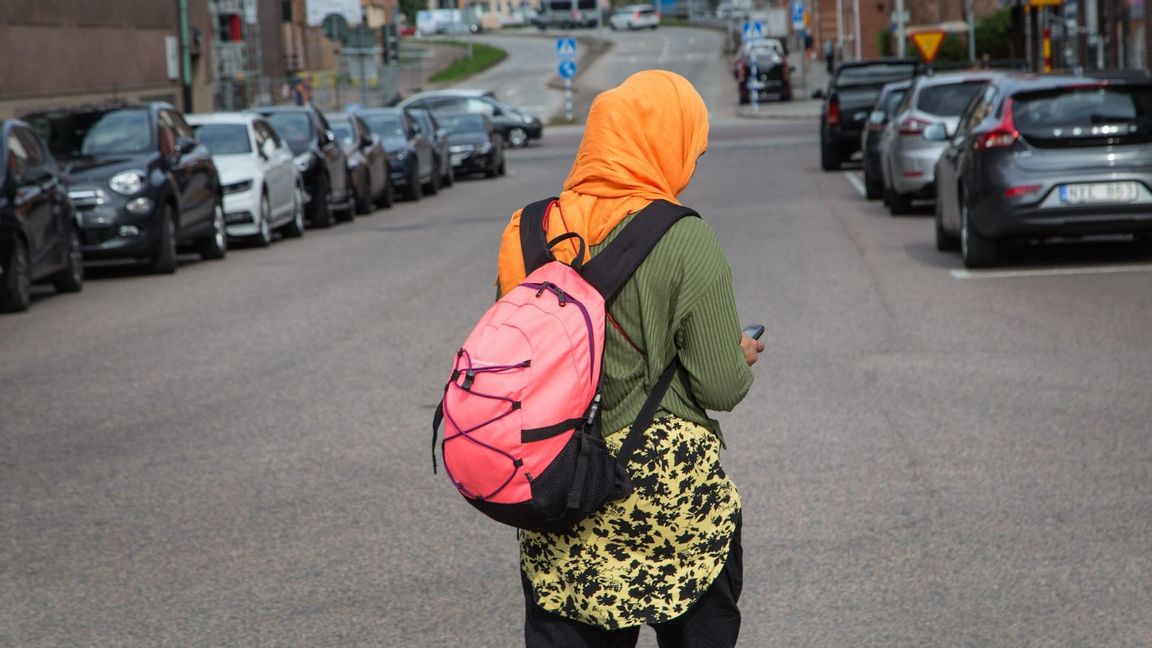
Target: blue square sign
{"type": "Point", "coordinates": [566, 48]}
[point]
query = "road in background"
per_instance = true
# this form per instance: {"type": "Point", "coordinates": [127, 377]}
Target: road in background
{"type": "Point", "coordinates": [240, 454]}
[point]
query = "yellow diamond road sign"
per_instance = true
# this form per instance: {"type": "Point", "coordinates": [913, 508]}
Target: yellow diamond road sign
{"type": "Point", "coordinates": [928, 42]}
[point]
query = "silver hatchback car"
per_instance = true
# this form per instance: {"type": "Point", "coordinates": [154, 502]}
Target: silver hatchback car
{"type": "Point", "coordinates": [907, 159]}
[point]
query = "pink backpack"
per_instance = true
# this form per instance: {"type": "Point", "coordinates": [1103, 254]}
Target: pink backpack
{"type": "Point", "coordinates": [522, 438]}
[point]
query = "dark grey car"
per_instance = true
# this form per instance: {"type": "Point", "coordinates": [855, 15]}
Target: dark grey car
{"type": "Point", "coordinates": [1045, 157]}
{"type": "Point", "coordinates": [886, 104]}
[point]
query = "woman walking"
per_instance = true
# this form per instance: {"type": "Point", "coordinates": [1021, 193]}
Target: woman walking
{"type": "Point", "coordinates": [668, 555]}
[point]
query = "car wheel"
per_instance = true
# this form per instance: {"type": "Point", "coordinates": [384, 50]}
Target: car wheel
{"type": "Point", "coordinates": [898, 203]}
{"type": "Point", "coordinates": [264, 227]}
{"type": "Point", "coordinates": [413, 191]}
{"type": "Point", "coordinates": [360, 197]}
{"type": "Point", "coordinates": [945, 242]}
{"type": "Point", "coordinates": [384, 201]}
{"type": "Point", "coordinates": [433, 186]}
{"type": "Point", "coordinates": [517, 138]}
{"type": "Point", "coordinates": [873, 189]}
{"type": "Point", "coordinates": [17, 295]}
{"type": "Point", "coordinates": [977, 250]}
{"type": "Point", "coordinates": [295, 229]}
{"type": "Point", "coordinates": [71, 278]}
{"type": "Point", "coordinates": [215, 245]}
{"type": "Point", "coordinates": [829, 157]}
{"type": "Point", "coordinates": [492, 170]}
{"type": "Point", "coordinates": [450, 175]}
{"type": "Point", "coordinates": [744, 99]}
{"type": "Point", "coordinates": [321, 212]}
{"type": "Point", "coordinates": [164, 256]}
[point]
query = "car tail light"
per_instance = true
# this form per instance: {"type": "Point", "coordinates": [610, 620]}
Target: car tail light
{"type": "Point", "coordinates": [1005, 133]}
{"type": "Point", "coordinates": [834, 111]}
{"type": "Point", "coordinates": [636, 14]}
{"type": "Point", "coordinates": [1022, 190]}
{"type": "Point", "coordinates": [913, 126]}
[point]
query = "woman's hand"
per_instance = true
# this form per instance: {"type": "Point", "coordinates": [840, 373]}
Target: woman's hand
{"type": "Point", "coordinates": [752, 349]}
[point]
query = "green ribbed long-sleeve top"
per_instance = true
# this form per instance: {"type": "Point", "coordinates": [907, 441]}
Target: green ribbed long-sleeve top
{"type": "Point", "coordinates": [679, 302]}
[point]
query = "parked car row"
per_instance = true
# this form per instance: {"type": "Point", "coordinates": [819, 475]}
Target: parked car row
{"type": "Point", "coordinates": [143, 182]}
{"type": "Point", "coordinates": [1009, 157]}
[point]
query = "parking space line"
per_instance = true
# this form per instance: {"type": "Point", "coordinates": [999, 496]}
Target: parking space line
{"type": "Point", "coordinates": [855, 180]}
{"type": "Point", "coordinates": [1047, 272]}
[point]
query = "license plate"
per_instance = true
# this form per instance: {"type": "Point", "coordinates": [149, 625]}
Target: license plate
{"type": "Point", "coordinates": [1099, 192]}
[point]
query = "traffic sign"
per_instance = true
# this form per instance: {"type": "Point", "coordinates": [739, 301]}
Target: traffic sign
{"type": "Point", "coordinates": [566, 48]}
{"type": "Point", "coordinates": [798, 15]}
{"type": "Point", "coordinates": [928, 42]}
{"type": "Point", "coordinates": [567, 69]}
{"type": "Point", "coordinates": [752, 30]}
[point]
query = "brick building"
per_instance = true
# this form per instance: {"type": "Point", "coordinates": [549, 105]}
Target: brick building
{"type": "Point", "coordinates": [836, 21]}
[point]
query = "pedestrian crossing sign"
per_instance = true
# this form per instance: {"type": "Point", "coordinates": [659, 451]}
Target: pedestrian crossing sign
{"type": "Point", "coordinates": [566, 48]}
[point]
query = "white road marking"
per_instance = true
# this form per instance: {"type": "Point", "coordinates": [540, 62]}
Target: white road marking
{"type": "Point", "coordinates": [856, 181]}
{"type": "Point", "coordinates": [664, 51]}
{"type": "Point", "coordinates": [1048, 272]}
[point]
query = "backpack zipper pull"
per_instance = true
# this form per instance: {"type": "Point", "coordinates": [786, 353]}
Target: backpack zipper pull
{"type": "Point", "coordinates": [544, 286]}
{"type": "Point", "coordinates": [469, 378]}
{"type": "Point", "coordinates": [593, 409]}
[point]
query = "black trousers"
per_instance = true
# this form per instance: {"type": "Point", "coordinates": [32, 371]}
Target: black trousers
{"type": "Point", "coordinates": [712, 622]}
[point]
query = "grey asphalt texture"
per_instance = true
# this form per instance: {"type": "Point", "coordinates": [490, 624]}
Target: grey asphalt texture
{"type": "Point", "coordinates": [239, 455]}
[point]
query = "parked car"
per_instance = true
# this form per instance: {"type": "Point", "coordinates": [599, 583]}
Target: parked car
{"type": "Point", "coordinates": [561, 15]}
{"type": "Point", "coordinates": [637, 16]}
{"type": "Point", "coordinates": [263, 190]}
{"type": "Point", "coordinates": [437, 135]}
{"type": "Point", "coordinates": [850, 97]}
{"type": "Point", "coordinates": [907, 160]}
{"type": "Point", "coordinates": [474, 143]}
{"type": "Point", "coordinates": [411, 158]}
{"type": "Point", "coordinates": [516, 126]}
{"type": "Point", "coordinates": [1044, 157]}
{"type": "Point", "coordinates": [141, 183]}
{"type": "Point", "coordinates": [39, 236]}
{"type": "Point", "coordinates": [772, 78]}
{"type": "Point", "coordinates": [368, 168]}
{"type": "Point", "coordinates": [320, 159]}
{"type": "Point", "coordinates": [891, 95]}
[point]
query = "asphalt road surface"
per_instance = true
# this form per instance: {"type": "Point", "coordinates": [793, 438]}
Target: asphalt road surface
{"type": "Point", "coordinates": [240, 454]}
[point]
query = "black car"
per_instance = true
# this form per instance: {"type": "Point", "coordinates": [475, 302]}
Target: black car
{"type": "Point", "coordinates": [437, 135]}
{"type": "Point", "coordinates": [368, 169]}
{"type": "Point", "coordinates": [410, 152]}
{"type": "Point", "coordinates": [886, 104]}
{"type": "Point", "coordinates": [474, 144]}
{"type": "Point", "coordinates": [39, 237]}
{"type": "Point", "coordinates": [516, 126]}
{"type": "Point", "coordinates": [1037, 158]}
{"type": "Point", "coordinates": [141, 183]}
{"type": "Point", "coordinates": [320, 158]}
{"type": "Point", "coordinates": [772, 78]}
{"type": "Point", "coordinates": [851, 95]}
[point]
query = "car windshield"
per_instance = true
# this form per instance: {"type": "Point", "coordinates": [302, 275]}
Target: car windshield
{"type": "Point", "coordinates": [1085, 115]}
{"type": "Point", "coordinates": [295, 129]}
{"type": "Point", "coordinates": [947, 100]}
{"type": "Point", "coordinates": [87, 134]}
{"type": "Point", "coordinates": [875, 74]}
{"type": "Point", "coordinates": [224, 139]}
{"type": "Point", "coordinates": [464, 123]}
{"type": "Point", "coordinates": [343, 130]}
{"type": "Point", "coordinates": [385, 125]}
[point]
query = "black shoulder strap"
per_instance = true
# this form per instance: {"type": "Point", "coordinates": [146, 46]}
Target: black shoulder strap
{"type": "Point", "coordinates": [614, 265]}
{"type": "Point", "coordinates": [533, 238]}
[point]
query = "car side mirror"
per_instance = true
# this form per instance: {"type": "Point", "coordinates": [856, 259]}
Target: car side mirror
{"type": "Point", "coordinates": [329, 137]}
{"type": "Point", "coordinates": [37, 176]}
{"type": "Point", "coordinates": [185, 145]}
{"type": "Point", "coordinates": [817, 94]}
{"type": "Point", "coordinates": [368, 140]}
{"type": "Point", "coordinates": [268, 149]}
{"type": "Point", "coordinates": [936, 133]}
{"type": "Point", "coordinates": [441, 133]}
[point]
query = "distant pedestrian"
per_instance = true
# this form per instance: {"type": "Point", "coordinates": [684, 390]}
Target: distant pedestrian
{"type": "Point", "coordinates": [829, 56]}
{"type": "Point", "coordinates": [668, 555]}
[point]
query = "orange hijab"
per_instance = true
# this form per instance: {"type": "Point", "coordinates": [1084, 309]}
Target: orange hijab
{"type": "Point", "coordinates": [640, 144]}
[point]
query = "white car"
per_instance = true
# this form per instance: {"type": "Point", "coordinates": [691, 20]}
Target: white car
{"type": "Point", "coordinates": [640, 16]}
{"type": "Point", "coordinates": [263, 190]}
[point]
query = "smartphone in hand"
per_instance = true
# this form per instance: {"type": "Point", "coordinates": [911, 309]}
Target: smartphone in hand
{"type": "Point", "coordinates": [754, 331]}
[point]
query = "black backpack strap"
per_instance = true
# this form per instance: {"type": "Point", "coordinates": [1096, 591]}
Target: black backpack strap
{"type": "Point", "coordinates": [533, 237]}
{"type": "Point", "coordinates": [614, 265]}
{"type": "Point", "coordinates": [635, 434]}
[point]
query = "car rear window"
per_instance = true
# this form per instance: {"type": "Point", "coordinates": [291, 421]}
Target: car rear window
{"type": "Point", "coordinates": [876, 74]}
{"type": "Point", "coordinates": [224, 139]}
{"type": "Point", "coordinates": [947, 100]}
{"type": "Point", "coordinates": [1086, 115]}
